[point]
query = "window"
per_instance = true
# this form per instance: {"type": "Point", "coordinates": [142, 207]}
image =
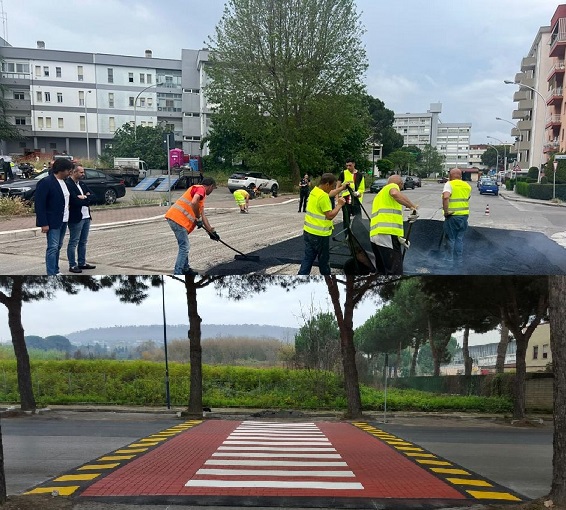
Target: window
{"type": "Point", "coordinates": [60, 124]}
{"type": "Point", "coordinates": [545, 351]}
{"type": "Point", "coordinates": [37, 71]}
{"type": "Point", "coordinates": [53, 145]}
{"type": "Point", "coordinates": [142, 102]}
{"type": "Point", "coordinates": [48, 122]}
{"type": "Point", "coordinates": [81, 98]}
{"type": "Point", "coordinates": [19, 95]}
{"type": "Point", "coordinates": [58, 72]}
{"type": "Point", "coordinates": [110, 100]}
{"type": "Point", "coordinates": [108, 145]}
{"type": "Point", "coordinates": [535, 351]}
{"type": "Point", "coordinates": [150, 124]}
{"type": "Point", "coordinates": [149, 78]}
{"type": "Point", "coordinates": [110, 75]}
{"type": "Point", "coordinates": [59, 97]}
{"type": "Point", "coordinates": [131, 77]}
{"type": "Point", "coordinates": [131, 101]}
{"type": "Point", "coordinates": [20, 121]}
{"type": "Point", "coordinates": [82, 123]}
{"type": "Point", "coordinates": [80, 73]}
{"type": "Point", "coordinates": [47, 97]}
{"type": "Point", "coordinates": [143, 123]}
{"type": "Point", "coordinates": [142, 78]}
{"type": "Point", "coordinates": [45, 71]}
{"type": "Point", "coordinates": [169, 81]}
{"type": "Point", "coordinates": [169, 103]}
{"type": "Point", "coordinates": [111, 125]}
{"type": "Point", "coordinates": [39, 97]}
{"type": "Point", "coordinates": [149, 102]}
{"type": "Point", "coordinates": [40, 122]}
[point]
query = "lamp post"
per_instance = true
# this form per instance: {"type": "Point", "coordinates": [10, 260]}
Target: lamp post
{"type": "Point", "coordinates": [86, 127]}
{"type": "Point", "coordinates": [509, 82]}
{"type": "Point", "coordinates": [504, 153]}
{"type": "Point", "coordinates": [520, 134]}
{"type": "Point", "coordinates": [167, 392]}
{"type": "Point", "coordinates": [495, 149]}
{"type": "Point", "coordinates": [136, 105]}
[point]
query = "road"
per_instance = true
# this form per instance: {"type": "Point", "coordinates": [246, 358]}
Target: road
{"type": "Point", "coordinates": [135, 458]}
{"type": "Point", "coordinates": [514, 238]}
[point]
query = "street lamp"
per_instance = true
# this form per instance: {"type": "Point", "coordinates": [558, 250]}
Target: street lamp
{"type": "Point", "coordinates": [136, 105]}
{"type": "Point", "coordinates": [509, 82]}
{"type": "Point", "coordinates": [504, 153]}
{"type": "Point", "coordinates": [86, 127]}
{"type": "Point", "coordinates": [167, 391]}
{"type": "Point", "coordinates": [520, 136]}
{"type": "Point", "coordinates": [495, 149]}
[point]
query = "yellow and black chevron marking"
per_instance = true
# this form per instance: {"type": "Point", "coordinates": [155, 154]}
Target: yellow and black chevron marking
{"type": "Point", "coordinates": [464, 481]}
{"type": "Point", "coordinates": [77, 480]}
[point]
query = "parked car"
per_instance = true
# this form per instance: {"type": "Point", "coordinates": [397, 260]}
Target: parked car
{"type": "Point", "coordinates": [243, 180]}
{"type": "Point", "coordinates": [377, 185]}
{"type": "Point", "coordinates": [488, 186]}
{"type": "Point", "coordinates": [408, 182]}
{"type": "Point", "coordinates": [107, 189]}
{"type": "Point", "coordinates": [417, 181]}
{"type": "Point", "coordinates": [482, 179]}
{"type": "Point", "coordinates": [442, 180]}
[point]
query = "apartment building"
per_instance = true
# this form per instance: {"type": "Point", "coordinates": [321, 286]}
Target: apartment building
{"type": "Point", "coordinates": [451, 140]}
{"type": "Point", "coordinates": [74, 102]}
{"type": "Point", "coordinates": [476, 152]}
{"type": "Point", "coordinates": [536, 125]}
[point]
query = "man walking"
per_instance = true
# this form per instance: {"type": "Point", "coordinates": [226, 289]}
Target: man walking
{"type": "Point", "coordinates": [456, 206]}
{"type": "Point", "coordinates": [79, 220]}
{"type": "Point", "coordinates": [318, 224]}
{"type": "Point", "coordinates": [386, 226]}
{"type": "Point", "coordinates": [304, 190]}
{"type": "Point", "coordinates": [52, 211]}
{"type": "Point", "coordinates": [184, 216]}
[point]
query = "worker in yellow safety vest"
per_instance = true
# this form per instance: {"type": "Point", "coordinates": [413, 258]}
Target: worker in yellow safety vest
{"type": "Point", "coordinates": [356, 188]}
{"type": "Point", "coordinates": [242, 198]}
{"type": "Point", "coordinates": [318, 224]}
{"type": "Point", "coordinates": [456, 206]}
{"type": "Point", "coordinates": [386, 226]}
{"type": "Point", "coordinates": [186, 214]}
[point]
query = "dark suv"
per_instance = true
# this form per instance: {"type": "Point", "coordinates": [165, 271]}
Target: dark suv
{"type": "Point", "coordinates": [408, 182]}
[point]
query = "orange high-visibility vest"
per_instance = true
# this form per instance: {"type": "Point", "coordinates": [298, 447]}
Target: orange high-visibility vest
{"type": "Point", "coordinates": [181, 212]}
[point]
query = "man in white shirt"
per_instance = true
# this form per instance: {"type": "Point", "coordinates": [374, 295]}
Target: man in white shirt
{"type": "Point", "coordinates": [52, 211]}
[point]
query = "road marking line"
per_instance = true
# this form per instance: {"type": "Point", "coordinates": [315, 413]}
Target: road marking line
{"type": "Point", "coordinates": [271, 455]}
{"type": "Point", "coordinates": [99, 466]}
{"type": "Point", "coordinates": [448, 471]}
{"type": "Point", "coordinates": [275, 484]}
{"type": "Point", "coordinates": [434, 462]}
{"type": "Point", "coordinates": [274, 472]}
{"type": "Point", "coordinates": [77, 478]}
{"type": "Point", "coordinates": [132, 450]}
{"type": "Point", "coordinates": [408, 448]}
{"type": "Point", "coordinates": [465, 481]}
{"type": "Point", "coordinates": [135, 445]}
{"type": "Point", "coordinates": [148, 440]}
{"type": "Point", "coordinates": [493, 495]}
{"type": "Point", "coordinates": [270, 443]}
{"type": "Point", "coordinates": [116, 457]}
{"type": "Point", "coordinates": [282, 438]}
{"type": "Point", "coordinates": [63, 491]}
{"type": "Point", "coordinates": [276, 449]}
{"type": "Point", "coordinates": [286, 463]}
{"type": "Point", "coordinates": [417, 454]}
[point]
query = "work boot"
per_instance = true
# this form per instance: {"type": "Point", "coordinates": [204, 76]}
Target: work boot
{"type": "Point", "coordinates": [190, 272]}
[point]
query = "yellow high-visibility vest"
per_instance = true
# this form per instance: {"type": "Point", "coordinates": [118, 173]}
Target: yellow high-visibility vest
{"type": "Point", "coordinates": [386, 214]}
{"type": "Point", "coordinates": [349, 176]}
{"type": "Point", "coordinates": [315, 219]}
{"type": "Point", "coordinates": [459, 201]}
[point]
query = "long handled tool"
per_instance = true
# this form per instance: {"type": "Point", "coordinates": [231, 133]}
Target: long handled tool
{"type": "Point", "coordinates": [240, 256]}
{"type": "Point", "coordinates": [411, 221]}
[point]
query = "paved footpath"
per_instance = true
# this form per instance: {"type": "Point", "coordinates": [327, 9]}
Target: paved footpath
{"type": "Point", "coordinates": [268, 463]}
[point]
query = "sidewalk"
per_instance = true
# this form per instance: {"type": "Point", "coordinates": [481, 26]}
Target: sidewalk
{"type": "Point", "coordinates": [514, 197]}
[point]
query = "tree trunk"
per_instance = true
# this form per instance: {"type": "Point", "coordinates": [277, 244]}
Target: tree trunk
{"type": "Point", "coordinates": [195, 349]}
{"type": "Point", "coordinates": [346, 327]}
{"type": "Point", "coordinates": [415, 357]}
{"type": "Point", "coordinates": [14, 305]}
{"type": "Point", "coordinates": [433, 351]}
{"type": "Point", "coordinates": [557, 300]}
{"type": "Point", "coordinates": [502, 348]}
{"type": "Point", "coordinates": [520, 377]}
{"type": "Point", "coordinates": [466, 352]}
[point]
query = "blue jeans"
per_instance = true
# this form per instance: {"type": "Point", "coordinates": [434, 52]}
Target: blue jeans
{"type": "Point", "coordinates": [78, 235]}
{"type": "Point", "coordinates": [55, 238]}
{"type": "Point", "coordinates": [454, 228]}
{"type": "Point", "coordinates": [316, 247]}
{"type": "Point", "coordinates": [182, 262]}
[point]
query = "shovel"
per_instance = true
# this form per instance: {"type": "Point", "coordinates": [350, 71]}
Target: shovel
{"type": "Point", "coordinates": [240, 256]}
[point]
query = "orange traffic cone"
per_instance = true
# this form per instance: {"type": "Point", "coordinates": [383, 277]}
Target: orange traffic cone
{"type": "Point", "coordinates": [487, 210]}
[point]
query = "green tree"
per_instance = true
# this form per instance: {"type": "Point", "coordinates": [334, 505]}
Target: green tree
{"type": "Point", "coordinates": [289, 76]}
{"type": "Point", "coordinates": [533, 173]}
{"type": "Point", "coordinates": [385, 166]}
{"type": "Point", "coordinates": [145, 143]}
{"type": "Point", "coordinates": [402, 160]}
{"type": "Point", "coordinates": [431, 161]}
{"type": "Point", "coordinates": [391, 141]}
{"type": "Point", "coordinates": [317, 343]}
{"type": "Point", "coordinates": [8, 131]}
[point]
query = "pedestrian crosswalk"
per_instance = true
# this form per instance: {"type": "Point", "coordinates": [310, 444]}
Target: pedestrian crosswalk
{"type": "Point", "coordinates": [278, 456]}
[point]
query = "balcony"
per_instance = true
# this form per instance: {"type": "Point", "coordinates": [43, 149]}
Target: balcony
{"type": "Point", "coordinates": [528, 63]}
{"type": "Point", "coordinates": [553, 121]}
{"type": "Point", "coordinates": [555, 96]}
{"type": "Point", "coordinates": [556, 70]}
{"type": "Point", "coordinates": [518, 114]}
{"type": "Point", "coordinates": [525, 125]}
{"type": "Point", "coordinates": [526, 105]}
{"type": "Point", "coordinates": [525, 79]}
{"type": "Point", "coordinates": [558, 39]}
{"type": "Point", "coordinates": [520, 95]}
{"type": "Point", "coordinates": [551, 147]}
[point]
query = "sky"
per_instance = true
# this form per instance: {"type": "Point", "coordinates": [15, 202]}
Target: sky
{"type": "Point", "coordinates": [454, 52]}
{"type": "Point", "coordinates": [66, 314]}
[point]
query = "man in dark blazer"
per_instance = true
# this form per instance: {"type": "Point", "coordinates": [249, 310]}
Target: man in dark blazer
{"type": "Point", "coordinates": [79, 219]}
{"type": "Point", "coordinates": [52, 211]}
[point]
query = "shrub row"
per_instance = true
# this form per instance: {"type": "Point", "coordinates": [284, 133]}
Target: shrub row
{"type": "Point", "coordinates": [540, 191]}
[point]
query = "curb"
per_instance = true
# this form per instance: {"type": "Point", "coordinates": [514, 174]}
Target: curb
{"type": "Point", "coordinates": [511, 198]}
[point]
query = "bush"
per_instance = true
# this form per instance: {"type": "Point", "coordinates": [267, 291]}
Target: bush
{"type": "Point", "coordinates": [533, 173]}
{"type": "Point", "coordinates": [14, 207]}
{"type": "Point", "coordinates": [509, 184]}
